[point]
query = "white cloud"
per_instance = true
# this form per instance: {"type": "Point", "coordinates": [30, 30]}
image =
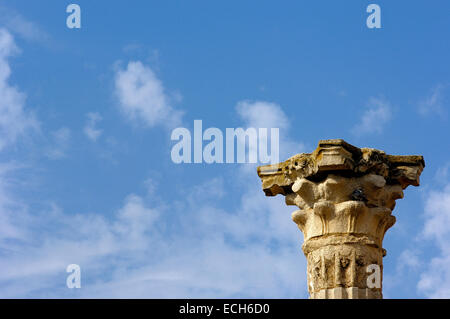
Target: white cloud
{"type": "Point", "coordinates": [435, 102]}
{"type": "Point", "coordinates": [437, 217]}
{"type": "Point", "coordinates": [90, 129]}
{"type": "Point", "coordinates": [263, 114]}
{"type": "Point", "coordinates": [408, 259]}
{"type": "Point", "coordinates": [15, 121]}
{"type": "Point", "coordinates": [198, 250]}
{"type": "Point", "coordinates": [142, 96]}
{"type": "Point", "coordinates": [187, 247]}
{"type": "Point", "coordinates": [375, 118]}
{"type": "Point", "coordinates": [59, 144]}
{"type": "Point", "coordinates": [442, 173]}
{"type": "Point", "coordinates": [435, 280]}
{"type": "Point", "coordinates": [21, 26]}
{"type": "Point", "coordinates": [12, 211]}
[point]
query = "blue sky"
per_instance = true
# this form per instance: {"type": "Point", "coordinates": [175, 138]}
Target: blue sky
{"type": "Point", "coordinates": [86, 175]}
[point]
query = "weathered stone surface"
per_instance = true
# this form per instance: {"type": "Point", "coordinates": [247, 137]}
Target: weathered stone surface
{"type": "Point", "coordinates": [346, 196]}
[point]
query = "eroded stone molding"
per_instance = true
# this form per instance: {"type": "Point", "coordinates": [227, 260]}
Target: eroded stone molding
{"type": "Point", "coordinates": [346, 196]}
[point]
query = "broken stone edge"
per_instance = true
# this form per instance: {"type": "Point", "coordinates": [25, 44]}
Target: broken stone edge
{"type": "Point", "coordinates": [336, 156]}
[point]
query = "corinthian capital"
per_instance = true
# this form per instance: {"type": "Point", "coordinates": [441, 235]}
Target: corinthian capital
{"type": "Point", "coordinates": [345, 197]}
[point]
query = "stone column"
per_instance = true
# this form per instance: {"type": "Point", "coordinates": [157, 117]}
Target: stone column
{"type": "Point", "coordinates": [346, 196]}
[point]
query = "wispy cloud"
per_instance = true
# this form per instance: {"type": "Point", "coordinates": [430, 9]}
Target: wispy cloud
{"type": "Point", "coordinates": [22, 26]}
{"type": "Point", "coordinates": [15, 120]}
{"type": "Point", "coordinates": [143, 250]}
{"type": "Point", "coordinates": [59, 144]}
{"type": "Point", "coordinates": [442, 173]}
{"type": "Point", "coordinates": [12, 211]}
{"type": "Point", "coordinates": [377, 114]}
{"type": "Point", "coordinates": [187, 247]}
{"type": "Point", "coordinates": [142, 96]}
{"type": "Point", "coordinates": [435, 280]}
{"type": "Point", "coordinates": [264, 114]}
{"type": "Point", "coordinates": [435, 102]}
{"type": "Point", "coordinates": [90, 129]}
